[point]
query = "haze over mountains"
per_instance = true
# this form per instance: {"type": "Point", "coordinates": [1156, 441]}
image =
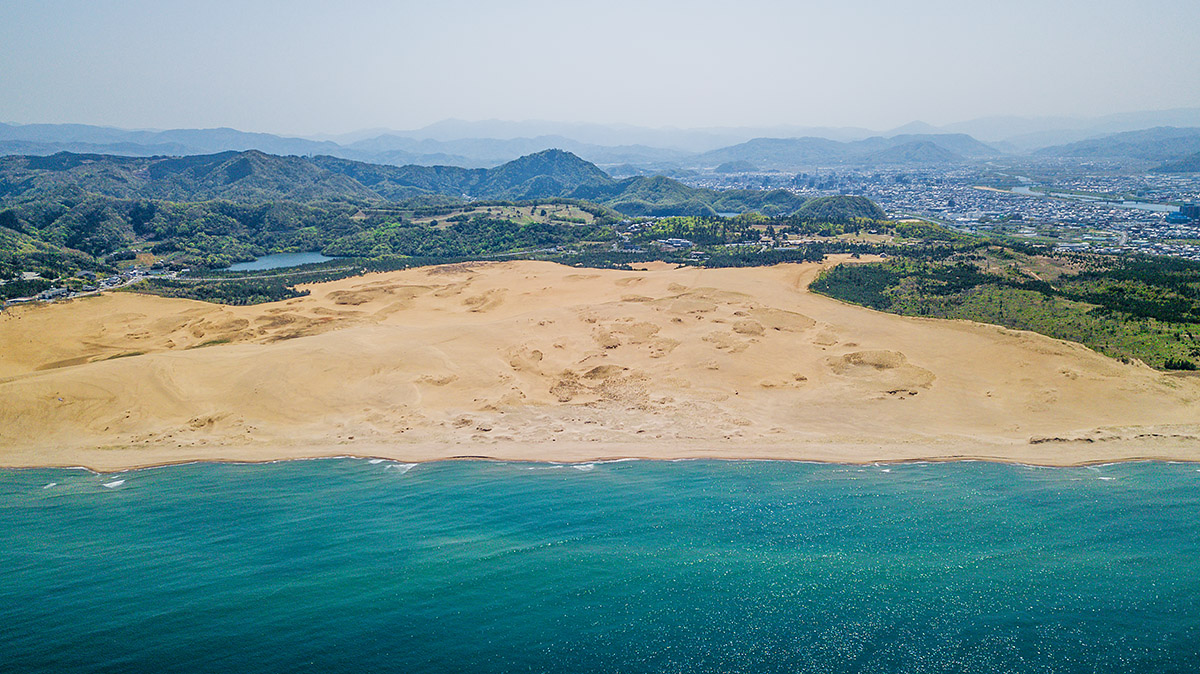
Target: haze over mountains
{"type": "Point", "coordinates": [1161, 136]}
{"type": "Point", "coordinates": [1007, 132]}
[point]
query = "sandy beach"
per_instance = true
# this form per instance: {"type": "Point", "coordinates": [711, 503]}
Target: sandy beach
{"type": "Point", "coordinates": [538, 361]}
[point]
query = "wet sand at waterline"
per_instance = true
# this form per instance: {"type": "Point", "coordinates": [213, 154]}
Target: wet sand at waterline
{"type": "Point", "coordinates": [539, 361]}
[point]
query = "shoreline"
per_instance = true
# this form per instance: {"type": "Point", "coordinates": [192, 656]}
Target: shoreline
{"type": "Point", "coordinates": [848, 456]}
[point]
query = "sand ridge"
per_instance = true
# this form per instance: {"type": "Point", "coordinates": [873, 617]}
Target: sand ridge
{"type": "Point", "coordinates": [539, 361]}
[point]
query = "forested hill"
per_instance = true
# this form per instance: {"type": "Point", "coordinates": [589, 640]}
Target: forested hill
{"type": "Point", "coordinates": [254, 177]}
{"type": "Point", "coordinates": [86, 211]}
{"type": "Point", "coordinates": [550, 173]}
{"type": "Point", "coordinates": [235, 176]}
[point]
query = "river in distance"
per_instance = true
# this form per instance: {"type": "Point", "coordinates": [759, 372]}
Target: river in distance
{"type": "Point", "coordinates": [348, 565]}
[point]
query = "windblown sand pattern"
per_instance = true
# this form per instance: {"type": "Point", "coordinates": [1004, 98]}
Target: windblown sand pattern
{"type": "Point", "coordinates": [530, 360]}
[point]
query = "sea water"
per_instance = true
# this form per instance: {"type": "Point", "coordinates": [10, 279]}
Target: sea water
{"type": "Point", "coordinates": [359, 566]}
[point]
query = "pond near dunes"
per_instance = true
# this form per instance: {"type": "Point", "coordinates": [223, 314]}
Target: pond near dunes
{"type": "Point", "coordinates": [280, 260]}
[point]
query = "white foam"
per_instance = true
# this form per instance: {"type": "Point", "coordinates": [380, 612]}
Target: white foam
{"type": "Point", "coordinates": [402, 467]}
{"type": "Point", "coordinates": [52, 484]}
{"type": "Point", "coordinates": [114, 484]}
{"type": "Point", "coordinates": [375, 461]}
{"type": "Point", "coordinates": [1106, 478]}
{"type": "Point", "coordinates": [584, 466]}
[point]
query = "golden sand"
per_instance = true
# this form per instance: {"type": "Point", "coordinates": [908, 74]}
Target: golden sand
{"type": "Point", "coordinates": [538, 361]}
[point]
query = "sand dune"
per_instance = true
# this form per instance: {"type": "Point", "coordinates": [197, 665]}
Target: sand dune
{"type": "Point", "coordinates": [528, 360]}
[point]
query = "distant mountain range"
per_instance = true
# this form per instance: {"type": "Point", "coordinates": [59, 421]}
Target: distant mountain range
{"type": "Point", "coordinates": [398, 150]}
{"type": "Point", "coordinates": [1010, 133]}
{"type": "Point", "coordinates": [1152, 145]}
{"type": "Point", "coordinates": [1025, 134]}
{"type": "Point", "coordinates": [787, 153]}
{"type": "Point", "coordinates": [629, 150]}
{"type": "Point", "coordinates": [252, 176]}
{"type": "Point", "coordinates": [689, 141]}
{"type": "Point", "coordinates": [482, 152]}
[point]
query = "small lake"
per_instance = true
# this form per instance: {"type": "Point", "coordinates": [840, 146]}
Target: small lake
{"type": "Point", "coordinates": [279, 261]}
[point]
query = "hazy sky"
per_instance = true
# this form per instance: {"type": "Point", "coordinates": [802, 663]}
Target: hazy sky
{"type": "Point", "coordinates": [307, 67]}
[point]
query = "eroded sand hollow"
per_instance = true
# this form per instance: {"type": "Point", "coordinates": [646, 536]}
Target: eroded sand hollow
{"type": "Point", "coordinates": [529, 360]}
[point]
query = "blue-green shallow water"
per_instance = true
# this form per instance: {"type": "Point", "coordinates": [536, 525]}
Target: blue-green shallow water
{"type": "Point", "coordinates": [351, 566]}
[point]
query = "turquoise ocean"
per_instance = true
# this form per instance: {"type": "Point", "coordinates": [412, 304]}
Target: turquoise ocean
{"type": "Point", "coordinates": [348, 565]}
